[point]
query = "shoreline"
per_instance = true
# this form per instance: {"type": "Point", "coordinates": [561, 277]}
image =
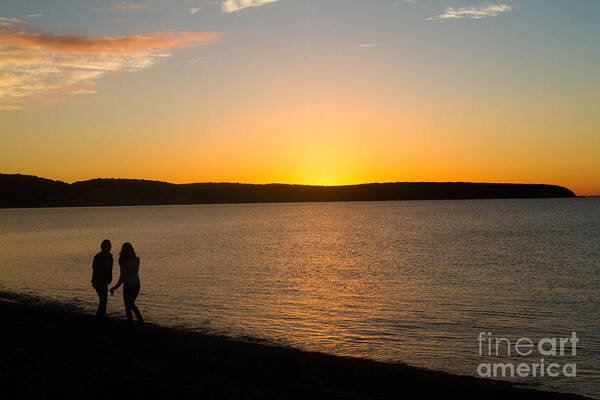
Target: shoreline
{"type": "Point", "coordinates": [53, 350]}
{"type": "Point", "coordinates": [50, 207]}
{"type": "Point", "coordinates": [33, 191]}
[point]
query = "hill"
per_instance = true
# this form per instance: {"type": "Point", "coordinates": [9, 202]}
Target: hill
{"type": "Point", "coordinates": [30, 191]}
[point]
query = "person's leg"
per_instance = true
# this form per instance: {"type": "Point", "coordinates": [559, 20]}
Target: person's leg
{"type": "Point", "coordinates": [102, 300]}
{"type": "Point", "coordinates": [134, 291]}
{"type": "Point", "coordinates": [127, 302]}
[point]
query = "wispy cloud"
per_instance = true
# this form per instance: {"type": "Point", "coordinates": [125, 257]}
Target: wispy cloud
{"type": "Point", "coordinates": [9, 21]}
{"type": "Point", "coordinates": [372, 45]}
{"type": "Point", "coordinates": [33, 15]}
{"type": "Point", "coordinates": [35, 65]}
{"type": "Point", "coordinates": [236, 5]}
{"type": "Point", "coordinates": [126, 6]}
{"type": "Point", "coordinates": [490, 10]}
{"type": "Point", "coordinates": [194, 10]}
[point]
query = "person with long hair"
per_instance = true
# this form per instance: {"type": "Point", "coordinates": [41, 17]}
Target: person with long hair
{"type": "Point", "coordinates": [130, 279]}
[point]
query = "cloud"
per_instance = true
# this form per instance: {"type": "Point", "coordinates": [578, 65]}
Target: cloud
{"type": "Point", "coordinates": [8, 21]}
{"type": "Point", "coordinates": [490, 10]}
{"type": "Point", "coordinates": [35, 65]}
{"type": "Point", "coordinates": [125, 6]}
{"type": "Point", "coordinates": [131, 44]}
{"type": "Point", "coordinates": [33, 15]}
{"type": "Point", "coordinates": [372, 45]}
{"type": "Point", "coordinates": [237, 5]}
{"type": "Point", "coordinates": [194, 10]}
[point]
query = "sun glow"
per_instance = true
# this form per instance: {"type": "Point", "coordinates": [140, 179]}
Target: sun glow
{"type": "Point", "coordinates": [299, 100]}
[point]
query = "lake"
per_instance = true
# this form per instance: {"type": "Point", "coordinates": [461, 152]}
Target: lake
{"type": "Point", "coordinates": [408, 281]}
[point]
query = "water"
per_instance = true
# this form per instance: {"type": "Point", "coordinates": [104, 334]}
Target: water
{"type": "Point", "coordinates": [412, 281]}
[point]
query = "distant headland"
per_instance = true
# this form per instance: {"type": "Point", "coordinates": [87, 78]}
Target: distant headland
{"type": "Point", "coordinates": [31, 191]}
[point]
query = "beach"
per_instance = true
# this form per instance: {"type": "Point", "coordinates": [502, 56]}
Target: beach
{"type": "Point", "coordinates": [51, 351]}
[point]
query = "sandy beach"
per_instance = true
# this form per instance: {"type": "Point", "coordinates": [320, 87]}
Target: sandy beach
{"type": "Point", "coordinates": [49, 351]}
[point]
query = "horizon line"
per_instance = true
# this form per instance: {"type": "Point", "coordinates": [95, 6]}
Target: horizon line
{"type": "Point", "coordinates": [293, 184]}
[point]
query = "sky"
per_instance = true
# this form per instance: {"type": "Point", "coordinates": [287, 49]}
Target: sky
{"type": "Point", "coordinates": [325, 92]}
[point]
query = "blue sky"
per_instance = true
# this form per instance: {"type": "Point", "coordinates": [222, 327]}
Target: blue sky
{"type": "Point", "coordinates": [511, 86]}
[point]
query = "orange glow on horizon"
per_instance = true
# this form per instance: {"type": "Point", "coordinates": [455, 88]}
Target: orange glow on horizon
{"type": "Point", "coordinates": [258, 95]}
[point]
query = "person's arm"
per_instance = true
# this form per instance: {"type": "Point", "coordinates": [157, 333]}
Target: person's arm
{"type": "Point", "coordinates": [110, 271]}
{"type": "Point", "coordinates": [94, 266]}
{"type": "Point", "coordinates": [119, 283]}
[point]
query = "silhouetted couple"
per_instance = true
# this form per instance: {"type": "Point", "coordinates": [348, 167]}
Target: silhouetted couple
{"type": "Point", "coordinates": [102, 267]}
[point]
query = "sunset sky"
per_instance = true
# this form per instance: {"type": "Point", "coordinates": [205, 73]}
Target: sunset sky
{"type": "Point", "coordinates": [302, 91]}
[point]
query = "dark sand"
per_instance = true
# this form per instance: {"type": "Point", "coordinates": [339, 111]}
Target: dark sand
{"type": "Point", "coordinates": [49, 352]}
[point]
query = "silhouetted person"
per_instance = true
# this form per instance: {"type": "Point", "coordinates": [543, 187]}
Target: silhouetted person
{"type": "Point", "coordinates": [130, 266]}
{"type": "Point", "coordinates": [102, 267]}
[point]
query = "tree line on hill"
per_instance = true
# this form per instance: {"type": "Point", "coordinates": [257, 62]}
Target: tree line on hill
{"type": "Point", "coordinates": [30, 191]}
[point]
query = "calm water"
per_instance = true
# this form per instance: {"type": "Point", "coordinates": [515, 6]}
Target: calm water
{"type": "Point", "coordinates": [399, 281]}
